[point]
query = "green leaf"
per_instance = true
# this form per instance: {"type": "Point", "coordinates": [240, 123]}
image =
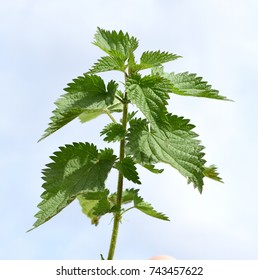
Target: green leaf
{"type": "Point", "coordinates": [114, 132]}
{"type": "Point", "coordinates": [211, 172]}
{"type": "Point", "coordinates": [131, 195]}
{"type": "Point", "coordinates": [74, 169]}
{"type": "Point", "coordinates": [178, 147]}
{"type": "Point", "coordinates": [152, 168]}
{"type": "Point", "coordinates": [117, 44]}
{"type": "Point", "coordinates": [111, 91]}
{"type": "Point", "coordinates": [95, 204]}
{"type": "Point", "coordinates": [108, 63]}
{"type": "Point", "coordinates": [147, 208]}
{"type": "Point", "coordinates": [131, 115]}
{"type": "Point", "coordinates": [152, 59]}
{"type": "Point", "coordinates": [189, 84]}
{"type": "Point", "coordinates": [103, 206]}
{"type": "Point", "coordinates": [88, 209]}
{"type": "Point", "coordinates": [150, 95]}
{"type": "Point", "coordinates": [88, 115]}
{"type": "Point", "coordinates": [87, 95]}
{"type": "Point", "coordinates": [127, 168]}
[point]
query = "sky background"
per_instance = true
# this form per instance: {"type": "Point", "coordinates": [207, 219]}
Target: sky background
{"type": "Point", "coordinates": [45, 44]}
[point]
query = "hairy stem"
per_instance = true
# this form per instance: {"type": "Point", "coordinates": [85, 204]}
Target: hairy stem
{"type": "Point", "coordinates": [117, 215]}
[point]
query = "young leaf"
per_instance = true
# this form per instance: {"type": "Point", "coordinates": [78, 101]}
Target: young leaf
{"type": "Point", "coordinates": [150, 95]}
{"type": "Point", "coordinates": [152, 168]}
{"type": "Point", "coordinates": [212, 173]}
{"type": "Point", "coordinates": [131, 195]}
{"type": "Point", "coordinates": [128, 169]}
{"type": "Point", "coordinates": [114, 132]}
{"type": "Point", "coordinates": [147, 208]}
{"type": "Point", "coordinates": [131, 115]}
{"type": "Point", "coordinates": [75, 169]}
{"type": "Point", "coordinates": [178, 147]}
{"type": "Point", "coordinates": [108, 63]}
{"type": "Point", "coordinates": [117, 45]}
{"type": "Point", "coordinates": [152, 59]}
{"type": "Point", "coordinates": [189, 84]}
{"type": "Point", "coordinates": [111, 91]}
{"type": "Point", "coordinates": [86, 95]}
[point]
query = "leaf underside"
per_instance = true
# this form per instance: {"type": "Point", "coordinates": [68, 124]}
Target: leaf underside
{"type": "Point", "coordinates": [74, 169]}
{"type": "Point", "coordinates": [86, 97]}
{"type": "Point", "coordinates": [178, 147]}
{"type": "Point", "coordinates": [188, 84]}
{"type": "Point", "coordinates": [150, 95]}
{"type": "Point", "coordinates": [131, 195]}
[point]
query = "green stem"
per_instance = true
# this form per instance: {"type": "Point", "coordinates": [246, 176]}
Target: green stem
{"type": "Point", "coordinates": [110, 115]}
{"type": "Point", "coordinates": [130, 208]}
{"type": "Point", "coordinates": [117, 215]}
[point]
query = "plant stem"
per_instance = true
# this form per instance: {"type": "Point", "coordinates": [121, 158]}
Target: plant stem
{"type": "Point", "coordinates": [110, 115]}
{"type": "Point", "coordinates": [117, 215]}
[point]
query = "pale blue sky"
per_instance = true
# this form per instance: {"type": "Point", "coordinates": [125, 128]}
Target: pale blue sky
{"type": "Point", "coordinates": [45, 44]}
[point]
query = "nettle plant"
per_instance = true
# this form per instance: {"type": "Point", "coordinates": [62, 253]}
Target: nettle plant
{"type": "Point", "coordinates": [147, 134]}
